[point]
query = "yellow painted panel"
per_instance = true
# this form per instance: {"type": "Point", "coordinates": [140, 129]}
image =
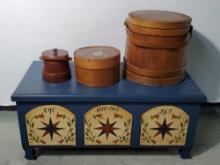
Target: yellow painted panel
{"type": "Point", "coordinates": [107, 125]}
{"type": "Point", "coordinates": [164, 125]}
{"type": "Point", "coordinates": [50, 125]}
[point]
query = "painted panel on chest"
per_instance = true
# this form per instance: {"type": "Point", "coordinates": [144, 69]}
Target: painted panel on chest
{"type": "Point", "coordinates": [107, 125]}
{"type": "Point", "coordinates": [50, 125]}
{"type": "Point", "coordinates": [164, 125]}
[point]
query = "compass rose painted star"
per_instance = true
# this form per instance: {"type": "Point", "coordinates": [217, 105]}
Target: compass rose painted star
{"type": "Point", "coordinates": [163, 129]}
{"type": "Point", "coordinates": [107, 128]}
{"type": "Point", "coordinates": [50, 128]}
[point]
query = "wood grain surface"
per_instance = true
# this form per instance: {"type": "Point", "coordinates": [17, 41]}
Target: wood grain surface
{"type": "Point", "coordinates": [155, 46]}
{"type": "Point", "coordinates": [97, 66]}
{"type": "Point", "coordinates": [56, 65]}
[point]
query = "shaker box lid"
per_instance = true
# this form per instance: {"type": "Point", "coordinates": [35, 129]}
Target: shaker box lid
{"type": "Point", "coordinates": [55, 55]}
{"type": "Point", "coordinates": [33, 89]}
{"type": "Point", "coordinates": [97, 57]}
{"type": "Point", "coordinates": [159, 19]}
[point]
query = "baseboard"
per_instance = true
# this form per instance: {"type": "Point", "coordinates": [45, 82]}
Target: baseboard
{"type": "Point", "coordinates": [8, 108]}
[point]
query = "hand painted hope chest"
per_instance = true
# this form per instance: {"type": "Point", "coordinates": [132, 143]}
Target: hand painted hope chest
{"type": "Point", "coordinates": [126, 114]}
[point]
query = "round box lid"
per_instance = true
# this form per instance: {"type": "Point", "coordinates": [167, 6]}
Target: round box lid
{"type": "Point", "coordinates": [159, 19]}
{"type": "Point", "coordinates": [97, 57]}
{"type": "Point", "coordinates": [55, 55]}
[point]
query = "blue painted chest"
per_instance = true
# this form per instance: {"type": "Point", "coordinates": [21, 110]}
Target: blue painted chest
{"type": "Point", "coordinates": [125, 115]}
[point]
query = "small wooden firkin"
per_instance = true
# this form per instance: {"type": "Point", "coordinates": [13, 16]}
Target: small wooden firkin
{"type": "Point", "coordinates": [56, 65]}
{"type": "Point", "coordinates": [97, 66]}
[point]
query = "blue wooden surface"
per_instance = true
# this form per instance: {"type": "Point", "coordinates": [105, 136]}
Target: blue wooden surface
{"type": "Point", "coordinates": [135, 98]}
{"type": "Point", "coordinates": [33, 88]}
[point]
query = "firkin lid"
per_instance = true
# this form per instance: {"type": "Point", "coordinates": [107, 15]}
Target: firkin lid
{"type": "Point", "coordinates": [159, 19]}
{"type": "Point", "coordinates": [55, 55]}
{"type": "Point", "coordinates": [97, 57]}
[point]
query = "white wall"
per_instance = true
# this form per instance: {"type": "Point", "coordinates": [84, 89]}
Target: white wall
{"type": "Point", "coordinates": [28, 27]}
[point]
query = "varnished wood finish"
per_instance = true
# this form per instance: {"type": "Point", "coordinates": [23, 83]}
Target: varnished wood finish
{"type": "Point", "coordinates": [153, 73]}
{"type": "Point", "coordinates": [97, 66]}
{"type": "Point", "coordinates": [56, 71]}
{"type": "Point", "coordinates": [161, 81]}
{"type": "Point", "coordinates": [97, 57]}
{"type": "Point", "coordinates": [56, 65]}
{"type": "Point", "coordinates": [155, 47]}
{"type": "Point", "coordinates": [159, 19]}
{"type": "Point", "coordinates": [155, 59]}
{"type": "Point", "coordinates": [143, 40]}
{"type": "Point", "coordinates": [55, 55]}
{"type": "Point", "coordinates": [97, 78]}
{"type": "Point", "coordinates": [157, 32]}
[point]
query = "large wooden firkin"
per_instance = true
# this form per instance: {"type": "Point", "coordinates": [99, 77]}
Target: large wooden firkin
{"type": "Point", "coordinates": [97, 66]}
{"type": "Point", "coordinates": [155, 46]}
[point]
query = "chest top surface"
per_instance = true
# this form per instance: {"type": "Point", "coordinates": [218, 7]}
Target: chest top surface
{"type": "Point", "coordinates": [33, 89]}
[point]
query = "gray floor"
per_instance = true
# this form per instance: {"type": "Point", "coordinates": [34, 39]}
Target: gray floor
{"type": "Point", "coordinates": [206, 149]}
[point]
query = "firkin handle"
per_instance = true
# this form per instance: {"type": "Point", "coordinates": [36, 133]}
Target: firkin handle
{"type": "Point", "coordinates": [190, 30]}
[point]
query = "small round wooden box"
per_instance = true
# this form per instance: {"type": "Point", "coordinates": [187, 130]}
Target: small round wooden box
{"type": "Point", "coordinates": [97, 66]}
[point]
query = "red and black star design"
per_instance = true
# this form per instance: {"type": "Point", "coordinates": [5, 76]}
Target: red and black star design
{"type": "Point", "coordinates": [107, 128]}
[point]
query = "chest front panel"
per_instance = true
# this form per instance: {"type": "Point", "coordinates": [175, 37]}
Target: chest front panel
{"type": "Point", "coordinates": [164, 125]}
{"type": "Point", "coordinates": [50, 125]}
{"type": "Point", "coordinates": [107, 125]}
